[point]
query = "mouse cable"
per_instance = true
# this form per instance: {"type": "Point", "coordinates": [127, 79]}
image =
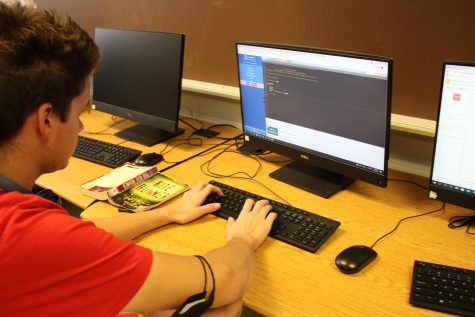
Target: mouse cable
{"type": "Point", "coordinates": [462, 221]}
{"type": "Point", "coordinates": [454, 222]}
{"type": "Point", "coordinates": [410, 217]}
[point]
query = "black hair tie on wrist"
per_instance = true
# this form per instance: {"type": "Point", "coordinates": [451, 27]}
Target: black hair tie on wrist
{"type": "Point", "coordinates": [197, 304]}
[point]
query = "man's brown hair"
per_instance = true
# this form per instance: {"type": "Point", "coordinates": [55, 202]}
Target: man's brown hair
{"type": "Point", "coordinates": [44, 58]}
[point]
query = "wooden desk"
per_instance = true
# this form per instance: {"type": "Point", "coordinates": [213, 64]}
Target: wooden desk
{"type": "Point", "coordinates": [66, 182]}
{"type": "Point", "coordinates": [292, 282]}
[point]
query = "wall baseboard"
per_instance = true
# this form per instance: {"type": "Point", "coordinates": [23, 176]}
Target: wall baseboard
{"type": "Point", "coordinates": [411, 139]}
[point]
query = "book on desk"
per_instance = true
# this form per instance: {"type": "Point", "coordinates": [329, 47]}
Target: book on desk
{"type": "Point", "coordinates": [148, 194]}
{"type": "Point", "coordinates": [134, 188]}
{"type": "Point", "coordinates": [117, 180]}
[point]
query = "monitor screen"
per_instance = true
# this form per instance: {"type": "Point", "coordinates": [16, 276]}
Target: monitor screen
{"type": "Point", "coordinates": [453, 170]}
{"type": "Point", "coordinates": [139, 78]}
{"type": "Point", "coordinates": [329, 111]}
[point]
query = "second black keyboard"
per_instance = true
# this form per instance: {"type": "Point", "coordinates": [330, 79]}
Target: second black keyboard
{"type": "Point", "coordinates": [104, 153]}
{"type": "Point", "coordinates": [444, 288]}
{"type": "Point", "coordinates": [295, 226]}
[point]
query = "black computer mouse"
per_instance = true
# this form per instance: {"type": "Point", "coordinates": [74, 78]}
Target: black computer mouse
{"type": "Point", "coordinates": [353, 259]}
{"type": "Point", "coordinates": [148, 159]}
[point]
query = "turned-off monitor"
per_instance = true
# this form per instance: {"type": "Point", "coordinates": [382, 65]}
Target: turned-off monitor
{"type": "Point", "coordinates": [327, 110]}
{"type": "Point", "coordinates": [139, 78]}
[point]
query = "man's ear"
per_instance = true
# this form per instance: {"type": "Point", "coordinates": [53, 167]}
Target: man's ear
{"type": "Point", "coordinates": [45, 120]}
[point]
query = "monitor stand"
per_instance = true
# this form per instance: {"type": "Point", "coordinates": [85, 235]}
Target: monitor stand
{"type": "Point", "coordinates": [312, 179]}
{"type": "Point", "coordinates": [147, 135]}
{"type": "Point", "coordinates": [249, 149]}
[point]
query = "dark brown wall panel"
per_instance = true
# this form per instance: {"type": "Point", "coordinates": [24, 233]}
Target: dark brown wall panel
{"type": "Point", "coordinates": [418, 34]}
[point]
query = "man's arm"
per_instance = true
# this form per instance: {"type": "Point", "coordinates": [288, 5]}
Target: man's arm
{"type": "Point", "coordinates": [172, 278]}
{"type": "Point", "coordinates": [188, 208]}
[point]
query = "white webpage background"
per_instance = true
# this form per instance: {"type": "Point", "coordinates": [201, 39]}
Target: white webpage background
{"type": "Point", "coordinates": [454, 161]}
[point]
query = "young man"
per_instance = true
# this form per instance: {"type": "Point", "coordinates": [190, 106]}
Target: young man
{"type": "Point", "coordinates": [52, 264]}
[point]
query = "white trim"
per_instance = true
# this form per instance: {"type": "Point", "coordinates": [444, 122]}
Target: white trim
{"type": "Point", "coordinates": [413, 125]}
{"type": "Point", "coordinates": [217, 90]}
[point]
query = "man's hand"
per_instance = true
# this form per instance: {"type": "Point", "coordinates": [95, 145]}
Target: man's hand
{"type": "Point", "coordinates": [189, 208]}
{"type": "Point", "coordinates": [253, 224]}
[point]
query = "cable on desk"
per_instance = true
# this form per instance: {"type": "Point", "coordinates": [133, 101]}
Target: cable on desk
{"type": "Point", "coordinates": [186, 141]}
{"type": "Point", "coordinates": [221, 125]}
{"type": "Point", "coordinates": [191, 126]}
{"type": "Point", "coordinates": [193, 156]}
{"type": "Point", "coordinates": [206, 169]}
{"type": "Point", "coordinates": [206, 166]}
{"type": "Point", "coordinates": [454, 222]}
{"type": "Point", "coordinates": [410, 217]}
{"type": "Point", "coordinates": [462, 221]}
{"type": "Point", "coordinates": [207, 132]}
{"type": "Point", "coordinates": [191, 138]}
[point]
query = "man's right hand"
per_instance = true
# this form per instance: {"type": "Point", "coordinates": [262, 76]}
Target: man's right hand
{"type": "Point", "coordinates": [253, 224]}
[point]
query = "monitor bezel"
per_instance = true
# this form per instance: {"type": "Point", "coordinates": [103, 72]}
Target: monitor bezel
{"type": "Point", "coordinates": [314, 159]}
{"type": "Point", "coordinates": [437, 192]}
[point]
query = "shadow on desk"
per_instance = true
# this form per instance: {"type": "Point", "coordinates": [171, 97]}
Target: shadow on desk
{"type": "Point", "coordinates": [247, 312]}
{"type": "Point", "coordinates": [72, 209]}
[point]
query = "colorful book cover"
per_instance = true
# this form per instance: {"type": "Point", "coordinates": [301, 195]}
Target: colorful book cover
{"type": "Point", "coordinates": [117, 180]}
{"type": "Point", "coordinates": [149, 193]}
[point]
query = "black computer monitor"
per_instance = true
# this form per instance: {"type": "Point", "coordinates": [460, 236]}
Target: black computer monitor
{"type": "Point", "coordinates": [452, 176]}
{"type": "Point", "coordinates": [329, 111]}
{"type": "Point", "coordinates": [139, 78]}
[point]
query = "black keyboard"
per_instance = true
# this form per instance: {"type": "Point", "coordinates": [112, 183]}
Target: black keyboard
{"type": "Point", "coordinates": [444, 288]}
{"type": "Point", "coordinates": [104, 153]}
{"type": "Point", "coordinates": [295, 226]}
